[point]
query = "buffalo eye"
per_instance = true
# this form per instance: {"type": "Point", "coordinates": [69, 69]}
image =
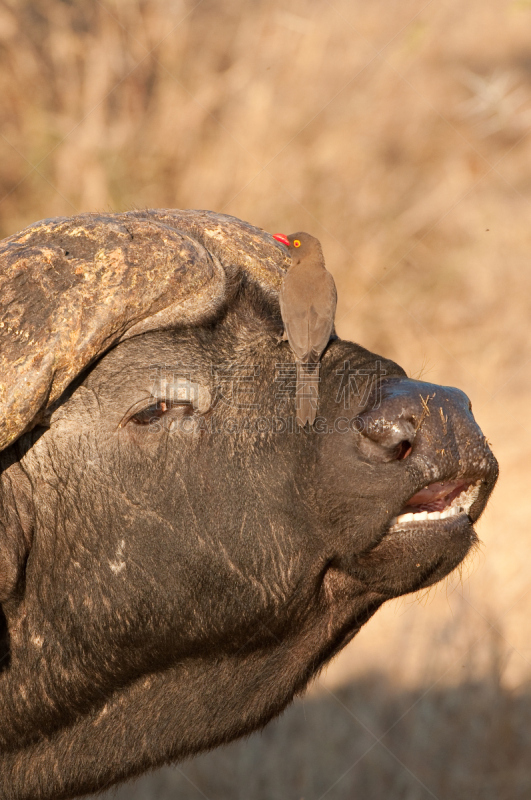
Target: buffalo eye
{"type": "Point", "coordinates": [172, 399]}
{"type": "Point", "coordinates": [148, 414]}
{"type": "Point", "coordinates": [155, 411]}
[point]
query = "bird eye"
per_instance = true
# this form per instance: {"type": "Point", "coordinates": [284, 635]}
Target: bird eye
{"type": "Point", "coordinates": [296, 243]}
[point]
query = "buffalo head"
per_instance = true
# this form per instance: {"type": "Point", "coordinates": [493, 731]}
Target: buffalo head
{"type": "Point", "coordinates": [177, 557]}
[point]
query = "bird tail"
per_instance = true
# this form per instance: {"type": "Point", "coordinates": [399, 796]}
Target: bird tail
{"type": "Point", "coordinates": [307, 392]}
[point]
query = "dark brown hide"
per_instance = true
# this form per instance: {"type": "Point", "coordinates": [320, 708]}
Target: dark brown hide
{"type": "Point", "coordinates": [177, 557]}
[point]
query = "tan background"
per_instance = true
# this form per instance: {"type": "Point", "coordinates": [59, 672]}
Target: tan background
{"type": "Point", "coordinates": [398, 133]}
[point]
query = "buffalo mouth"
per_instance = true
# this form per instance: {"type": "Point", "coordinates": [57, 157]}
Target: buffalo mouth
{"type": "Point", "coordinates": [447, 500]}
{"type": "Point", "coordinates": [429, 537]}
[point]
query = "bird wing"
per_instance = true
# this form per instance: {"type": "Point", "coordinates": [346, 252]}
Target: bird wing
{"type": "Point", "coordinates": [295, 315]}
{"type": "Point", "coordinates": [309, 322]}
{"type": "Point", "coordinates": [321, 318]}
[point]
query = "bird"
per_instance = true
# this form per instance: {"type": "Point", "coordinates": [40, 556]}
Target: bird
{"type": "Point", "coordinates": [308, 300]}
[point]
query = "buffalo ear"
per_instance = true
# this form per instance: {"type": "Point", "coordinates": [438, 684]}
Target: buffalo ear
{"type": "Point", "coordinates": [16, 528]}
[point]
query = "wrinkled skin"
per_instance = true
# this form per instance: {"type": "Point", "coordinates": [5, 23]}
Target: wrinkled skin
{"type": "Point", "coordinates": [169, 587]}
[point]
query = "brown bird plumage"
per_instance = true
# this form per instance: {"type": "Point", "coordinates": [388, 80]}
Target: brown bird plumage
{"type": "Point", "coordinates": [308, 301]}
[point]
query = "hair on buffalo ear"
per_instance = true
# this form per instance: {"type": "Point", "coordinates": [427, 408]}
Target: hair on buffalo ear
{"type": "Point", "coordinates": [16, 527]}
{"type": "Point", "coordinates": [252, 312]}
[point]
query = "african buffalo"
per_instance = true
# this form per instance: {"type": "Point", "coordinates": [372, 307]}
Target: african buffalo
{"type": "Point", "coordinates": [177, 558]}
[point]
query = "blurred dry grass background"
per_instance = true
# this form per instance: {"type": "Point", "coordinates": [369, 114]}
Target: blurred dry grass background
{"type": "Point", "coordinates": [398, 133]}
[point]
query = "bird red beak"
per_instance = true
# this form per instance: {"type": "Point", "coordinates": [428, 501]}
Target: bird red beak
{"type": "Point", "coordinates": [282, 238]}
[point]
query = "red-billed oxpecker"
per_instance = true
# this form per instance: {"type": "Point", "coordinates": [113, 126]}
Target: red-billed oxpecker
{"type": "Point", "coordinates": [308, 301]}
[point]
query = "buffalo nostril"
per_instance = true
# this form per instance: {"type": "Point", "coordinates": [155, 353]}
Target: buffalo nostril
{"type": "Point", "coordinates": [403, 450]}
{"type": "Point", "coordinates": [388, 433]}
{"type": "Point", "coordinates": [385, 439]}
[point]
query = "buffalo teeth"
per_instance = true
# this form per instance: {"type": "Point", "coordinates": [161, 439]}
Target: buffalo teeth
{"type": "Point", "coordinates": [460, 505]}
{"type": "Point", "coordinates": [421, 516]}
